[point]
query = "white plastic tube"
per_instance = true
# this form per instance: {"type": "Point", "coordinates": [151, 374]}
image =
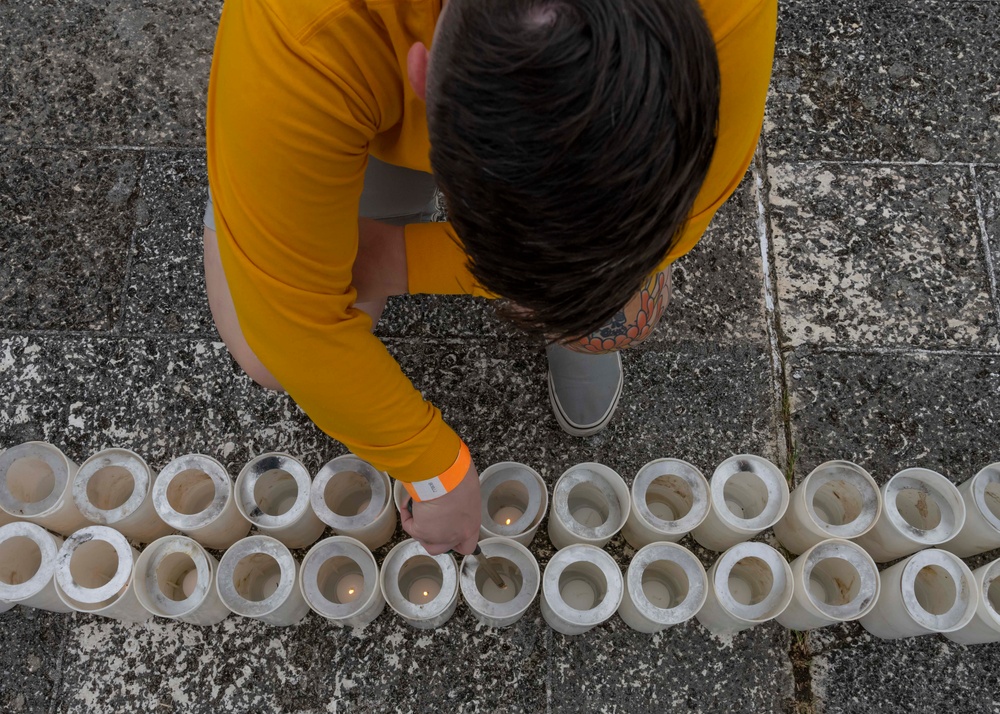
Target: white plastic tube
{"type": "Point", "coordinates": [353, 497]}
{"type": "Point", "coordinates": [339, 581]}
{"type": "Point", "coordinates": [258, 578]}
{"type": "Point", "coordinates": [28, 566]}
{"type": "Point", "coordinates": [194, 494]}
{"type": "Point", "coordinates": [834, 581]}
{"type": "Point", "coordinates": [665, 585]}
{"type": "Point", "coordinates": [514, 501]}
{"type": "Point", "coordinates": [94, 574]}
{"type": "Point", "coordinates": [838, 499]}
{"type": "Point", "coordinates": [669, 499]}
{"type": "Point", "coordinates": [114, 488]}
{"type": "Point", "coordinates": [175, 578]}
{"type": "Point", "coordinates": [36, 481]}
{"type": "Point", "coordinates": [422, 589]}
{"type": "Point", "coordinates": [748, 495]}
{"type": "Point", "coordinates": [492, 605]}
{"type": "Point", "coordinates": [749, 584]}
{"type": "Point", "coordinates": [590, 504]}
{"type": "Point", "coordinates": [981, 531]}
{"type": "Point", "coordinates": [272, 492]}
{"type": "Point", "coordinates": [582, 587]}
{"type": "Point", "coordinates": [985, 624]}
{"type": "Point", "coordinates": [930, 592]}
{"type": "Point", "coordinates": [920, 509]}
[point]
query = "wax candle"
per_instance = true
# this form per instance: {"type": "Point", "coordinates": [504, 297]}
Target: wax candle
{"type": "Point", "coordinates": [350, 587]}
{"type": "Point", "coordinates": [423, 590]}
{"type": "Point", "coordinates": [507, 515]}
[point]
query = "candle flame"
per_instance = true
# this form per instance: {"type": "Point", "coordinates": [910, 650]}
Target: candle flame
{"type": "Point", "coordinates": [425, 593]}
{"type": "Point", "coordinates": [507, 523]}
{"type": "Point", "coordinates": [351, 591]}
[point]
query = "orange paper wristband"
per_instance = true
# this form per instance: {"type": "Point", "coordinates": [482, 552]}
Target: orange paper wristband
{"type": "Point", "coordinates": [438, 486]}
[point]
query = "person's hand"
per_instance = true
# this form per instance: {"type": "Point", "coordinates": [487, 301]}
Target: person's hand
{"type": "Point", "coordinates": [450, 522]}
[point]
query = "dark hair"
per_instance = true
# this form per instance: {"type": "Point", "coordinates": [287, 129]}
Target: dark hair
{"type": "Point", "coordinates": [570, 138]}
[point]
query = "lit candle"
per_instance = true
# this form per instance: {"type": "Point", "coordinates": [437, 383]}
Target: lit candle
{"type": "Point", "coordinates": [350, 587]}
{"type": "Point", "coordinates": [190, 582]}
{"type": "Point", "coordinates": [423, 591]}
{"type": "Point", "coordinates": [587, 516]}
{"type": "Point", "coordinates": [507, 515]}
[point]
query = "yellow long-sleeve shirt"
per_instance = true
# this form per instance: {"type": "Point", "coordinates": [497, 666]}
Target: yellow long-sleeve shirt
{"type": "Point", "coordinates": [300, 92]}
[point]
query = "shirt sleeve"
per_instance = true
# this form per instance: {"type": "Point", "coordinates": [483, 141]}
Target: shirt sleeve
{"type": "Point", "coordinates": [288, 135]}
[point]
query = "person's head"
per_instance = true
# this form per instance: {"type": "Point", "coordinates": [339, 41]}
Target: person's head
{"type": "Point", "coordinates": [570, 138]}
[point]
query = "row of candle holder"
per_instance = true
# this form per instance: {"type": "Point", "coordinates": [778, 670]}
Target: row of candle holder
{"type": "Point", "coordinates": [96, 570]}
{"type": "Point", "coordinates": [591, 503]}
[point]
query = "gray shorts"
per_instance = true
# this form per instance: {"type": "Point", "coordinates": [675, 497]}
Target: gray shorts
{"type": "Point", "coordinates": [391, 194]}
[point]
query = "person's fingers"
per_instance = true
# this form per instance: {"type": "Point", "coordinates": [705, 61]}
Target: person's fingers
{"type": "Point", "coordinates": [405, 516]}
{"type": "Point", "coordinates": [468, 545]}
{"type": "Point", "coordinates": [436, 548]}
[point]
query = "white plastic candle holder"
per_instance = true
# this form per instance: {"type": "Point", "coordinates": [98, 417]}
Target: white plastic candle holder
{"type": "Point", "coordinates": [921, 509]}
{"type": "Point", "coordinates": [492, 605]}
{"type": "Point", "coordinates": [590, 504]}
{"type": "Point", "coordinates": [981, 531]}
{"type": "Point", "coordinates": [582, 587]}
{"type": "Point", "coordinates": [930, 592]}
{"type": "Point", "coordinates": [749, 494]}
{"type": "Point", "coordinates": [272, 492]}
{"type": "Point", "coordinates": [175, 578]}
{"type": "Point", "coordinates": [669, 500]}
{"type": "Point", "coordinates": [194, 494]}
{"type": "Point", "coordinates": [985, 624]}
{"type": "Point", "coordinates": [94, 574]}
{"type": "Point", "coordinates": [258, 578]}
{"type": "Point", "coordinates": [514, 500]}
{"type": "Point", "coordinates": [665, 585]}
{"type": "Point", "coordinates": [422, 589]}
{"type": "Point", "coordinates": [838, 499]}
{"type": "Point", "coordinates": [114, 488]}
{"type": "Point", "coordinates": [339, 580]}
{"type": "Point", "coordinates": [28, 566]}
{"type": "Point", "coordinates": [353, 497]}
{"type": "Point", "coordinates": [36, 484]}
{"type": "Point", "coordinates": [834, 581]}
{"type": "Point", "coordinates": [749, 584]}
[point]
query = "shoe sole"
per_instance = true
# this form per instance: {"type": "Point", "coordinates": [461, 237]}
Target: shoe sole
{"type": "Point", "coordinates": [589, 429]}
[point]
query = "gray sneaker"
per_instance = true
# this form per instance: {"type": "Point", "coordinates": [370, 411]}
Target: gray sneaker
{"type": "Point", "coordinates": [584, 389]}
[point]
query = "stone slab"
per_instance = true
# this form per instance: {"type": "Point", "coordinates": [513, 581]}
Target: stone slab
{"type": "Point", "coordinates": [66, 220]}
{"type": "Point", "coordinates": [31, 658]}
{"type": "Point", "coordinates": [855, 673]}
{"type": "Point", "coordinates": [892, 411]}
{"type": "Point", "coordinates": [682, 669]}
{"type": "Point", "coordinates": [122, 73]}
{"type": "Point", "coordinates": [913, 80]}
{"type": "Point", "coordinates": [166, 282]}
{"type": "Point", "coordinates": [886, 256]}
